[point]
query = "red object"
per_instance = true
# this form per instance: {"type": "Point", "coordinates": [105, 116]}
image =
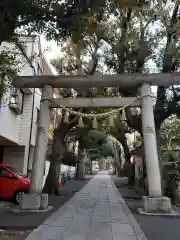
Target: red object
{"type": "Point", "coordinates": [11, 183]}
{"type": "Point", "coordinates": [59, 185]}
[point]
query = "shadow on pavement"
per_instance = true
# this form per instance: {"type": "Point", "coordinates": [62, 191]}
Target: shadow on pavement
{"type": "Point", "coordinates": [155, 227]}
{"type": "Point", "coordinates": [22, 221]}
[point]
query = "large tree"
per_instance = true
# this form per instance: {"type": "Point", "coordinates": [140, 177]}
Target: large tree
{"type": "Point", "coordinates": [144, 36]}
{"type": "Point", "coordinates": [134, 39]}
{"type": "Point", "coordinates": [119, 40]}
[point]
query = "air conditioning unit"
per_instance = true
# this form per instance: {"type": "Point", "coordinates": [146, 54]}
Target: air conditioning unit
{"type": "Point", "coordinates": [15, 102]}
{"type": "Point", "coordinates": [15, 106]}
{"type": "Point", "coordinates": [14, 92]}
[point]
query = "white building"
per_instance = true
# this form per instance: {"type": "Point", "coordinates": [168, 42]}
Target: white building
{"type": "Point", "coordinates": [19, 116]}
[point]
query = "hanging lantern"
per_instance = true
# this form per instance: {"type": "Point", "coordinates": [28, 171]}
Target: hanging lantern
{"type": "Point", "coordinates": [110, 121]}
{"type": "Point", "coordinates": [66, 117]}
{"type": "Point", "coordinates": [94, 123]}
{"type": "Point", "coordinates": [123, 115]}
{"type": "Point", "coordinates": [80, 122]}
{"type": "Point", "coordinates": [115, 116]}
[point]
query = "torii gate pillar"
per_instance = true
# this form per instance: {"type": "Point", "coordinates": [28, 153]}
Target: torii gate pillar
{"type": "Point", "coordinates": [154, 202]}
{"type": "Point", "coordinates": [41, 141]}
{"type": "Point", "coordinates": [37, 200]}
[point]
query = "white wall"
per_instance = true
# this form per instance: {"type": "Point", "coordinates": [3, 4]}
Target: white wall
{"type": "Point", "coordinates": [9, 122]}
{"type": "Point", "coordinates": [17, 127]}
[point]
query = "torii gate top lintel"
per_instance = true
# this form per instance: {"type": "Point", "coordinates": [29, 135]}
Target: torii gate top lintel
{"type": "Point", "coordinates": [85, 81]}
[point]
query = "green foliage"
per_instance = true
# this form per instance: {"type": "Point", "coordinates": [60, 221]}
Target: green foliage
{"type": "Point", "coordinates": [171, 163]}
{"type": "Point", "coordinates": [170, 130]}
{"type": "Point", "coordinates": [94, 141]}
{"type": "Point", "coordinates": [97, 146]}
{"type": "Point", "coordinates": [69, 158]}
{"type": "Point", "coordinates": [9, 67]}
{"type": "Point", "coordinates": [57, 19]}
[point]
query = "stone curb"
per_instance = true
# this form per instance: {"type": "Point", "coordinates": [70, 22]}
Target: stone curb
{"type": "Point", "coordinates": [172, 214]}
{"type": "Point", "coordinates": [138, 231]}
{"type": "Point", "coordinates": [18, 210]}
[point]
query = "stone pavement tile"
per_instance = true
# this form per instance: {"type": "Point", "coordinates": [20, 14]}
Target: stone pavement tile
{"type": "Point", "coordinates": [61, 222]}
{"type": "Point", "coordinates": [100, 218]}
{"type": "Point", "coordinates": [116, 209]}
{"type": "Point", "coordinates": [102, 197]}
{"type": "Point", "coordinates": [113, 201]}
{"type": "Point", "coordinates": [99, 237]}
{"type": "Point", "coordinates": [79, 224]}
{"type": "Point", "coordinates": [122, 228]}
{"type": "Point", "coordinates": [99, 233]}
{"type": "Point", "coordinates": [73, 237]}
{"type": "Point", "coordinates": [81, 211]}
{"type": "Point", "coordinates": [111, 204]}
{"type": "Point", "coordinates": [85, 208]}
{"type": "Point", "coordinates": [76, 203]}
{"type": "Point", "coordinates": [82, 219]}
{"type": "Point", "coordinates": [51, 219]}
{"type": "Point", "coordinates": [103, 201]}
{"type": "Point", "coordinates": [47, 233]}
{"type": "Point", "coordinates": [101, 205]}
{"type": "Point", "coordinates": [104, 213]}
{"type": "Point", "coordinates": [69, 214]}
{"type": "Point", "coordinates": [125, 237]}
{"type": "Point", "coordinates": [121, 218]}
{"type": "Point", "coordinates": [97, 224]}
{"type": "Point", "coordinates": [68, 208]}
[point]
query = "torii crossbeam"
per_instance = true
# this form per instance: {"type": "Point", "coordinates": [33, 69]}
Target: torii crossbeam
{"type": "Point", "coordinates": [85, 81]}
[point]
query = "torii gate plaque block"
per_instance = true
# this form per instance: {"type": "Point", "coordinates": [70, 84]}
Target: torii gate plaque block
{"type": "Point", "coordinates": [155, 202]}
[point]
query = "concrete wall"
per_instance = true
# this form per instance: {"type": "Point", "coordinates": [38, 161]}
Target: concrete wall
{"type": "Point", "coordinates": [14, 156]}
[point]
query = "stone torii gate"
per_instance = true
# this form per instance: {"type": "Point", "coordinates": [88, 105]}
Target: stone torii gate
{"type": "Point", "coordinates": [155, 202]}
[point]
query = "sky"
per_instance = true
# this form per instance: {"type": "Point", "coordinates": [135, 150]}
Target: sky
{"type": "Point", "coordinates": [54, 52]}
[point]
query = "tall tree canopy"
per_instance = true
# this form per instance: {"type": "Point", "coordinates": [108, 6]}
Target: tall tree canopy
{"type": "Point", "coordinates": [55, 18]}
{"type": "Point", "coordinates": [127, 39]}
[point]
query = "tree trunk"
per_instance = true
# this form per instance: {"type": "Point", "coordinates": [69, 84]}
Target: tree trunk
{"type": "Point", "coordinates": [90, 167]}
{"type": "Point", "coordinates": [52, 179]}
{"type": "Point", "coordinates": [131, 175]}
{"type": "Point", "coordinates": [126, 149]}
{"type": "Point", "coordinates": [80, 167]}
{"type": "Point", "coordinates": [118, 170]}
{"type": "Point", "coordinates": [80, 162]}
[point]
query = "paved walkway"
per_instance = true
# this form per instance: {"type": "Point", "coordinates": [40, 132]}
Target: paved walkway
{"type": "Point", "coordinates": [97, 212]}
